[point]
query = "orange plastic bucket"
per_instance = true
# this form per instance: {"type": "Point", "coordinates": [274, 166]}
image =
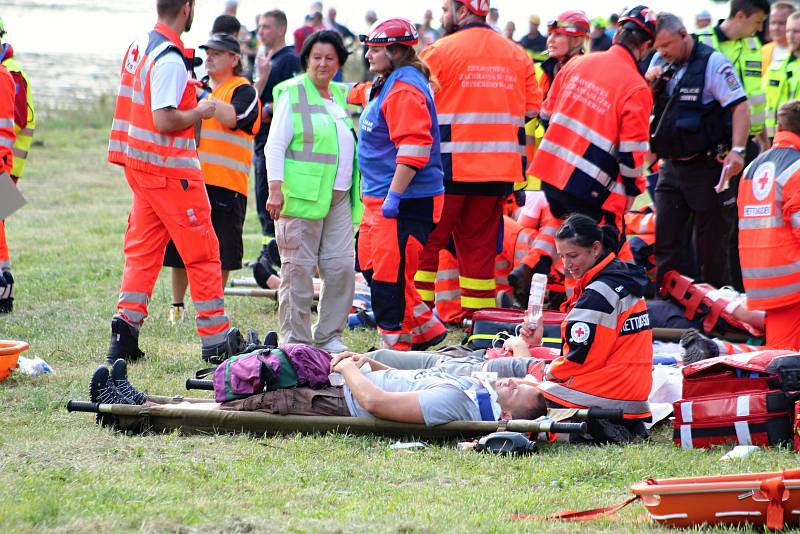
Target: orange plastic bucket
{"type": "Point", "coordinates": [9, 356]}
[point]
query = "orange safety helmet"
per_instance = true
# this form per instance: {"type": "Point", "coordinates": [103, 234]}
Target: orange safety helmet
{"type": "Point", "coordinates": [391, 31]}
{"type": "Point", "coordinates": [570, 23]}
{"type": "Point", "coordinates": [640, 18]}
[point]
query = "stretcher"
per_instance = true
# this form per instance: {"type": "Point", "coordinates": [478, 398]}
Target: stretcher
{"type": "Point", "coordinates": [164, 418]}
{"type": "Point", "coordinates": [771, 499]}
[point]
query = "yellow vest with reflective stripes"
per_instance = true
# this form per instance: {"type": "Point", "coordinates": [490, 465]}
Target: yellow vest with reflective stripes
{"type": "Point", "coordinates": [745, 54]}
{"type": "Point", "coordinates": [781, 86]}
{"type": "Point", "coordinates": [24, 135]}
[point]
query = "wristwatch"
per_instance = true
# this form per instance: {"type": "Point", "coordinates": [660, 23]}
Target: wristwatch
{"type": "Point", "coordinates": [739, 150]}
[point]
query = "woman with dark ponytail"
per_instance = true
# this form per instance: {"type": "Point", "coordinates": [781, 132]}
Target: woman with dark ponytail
{"type": "Point", "coordinates": [607, 356]}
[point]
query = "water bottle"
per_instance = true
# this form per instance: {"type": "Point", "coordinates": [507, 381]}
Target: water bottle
{"type": "Point", "coordinates": [536, 298]}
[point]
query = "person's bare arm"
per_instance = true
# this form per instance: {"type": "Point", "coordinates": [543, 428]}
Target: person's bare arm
{"type": "Point", "coordinates": [400, 407]}
{"type": "Point", "coordinates": [359, 360]}
{"type": "Point", "coordinates": [226, 114]}
{"type": "Point", "coordinates": [167, 120]}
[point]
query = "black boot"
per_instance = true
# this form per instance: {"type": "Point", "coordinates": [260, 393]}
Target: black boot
{"type": "Point", "coordinates": [520, 281]}
{"type": "Point", "coordinates": [124, 342]}
{"type": "Point", "coordinates": [234, 344]}
{"type": "Point", "coordinates": [697, 347]}
{"type": "Point", "coordinates": [119, 377]}
{"type": "Point", "coordinates": [103, 391]}
{"type": "Point", "coordinates": [6, 292]}
{"type": "Point", "coordinates": [262, 270]}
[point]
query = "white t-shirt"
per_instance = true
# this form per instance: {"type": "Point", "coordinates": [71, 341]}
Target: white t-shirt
{"type": "Point", "coordinates": [168, 81]}
{"type": "Point", "coordinates": [779, 53]}
{"type": "Point", "coordinates": [281, 132]}
{"type": "Point", "coordinates": [535, 203]}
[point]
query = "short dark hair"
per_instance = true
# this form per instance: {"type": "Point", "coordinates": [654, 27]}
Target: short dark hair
{"type": "Point", "coordinates": [227, 24]}
{"type": "Point", "coordinates": [279, 16]}
{"type": "Point", "coordinates": [585, 231]}
{"type": "Point", "coordinates": [167, 9]}
{"type": "Point", "coordinates": [789, 117]}
{"type": "Point", "coordinates": [749, 7]}
{"type": "Point", "coordinates": [632, 38]}
{"type": "Point", "coordinates": [327, 37]}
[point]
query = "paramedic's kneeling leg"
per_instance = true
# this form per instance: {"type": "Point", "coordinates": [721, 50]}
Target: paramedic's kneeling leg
{"type": "Point", "coordinates": [422, 397]}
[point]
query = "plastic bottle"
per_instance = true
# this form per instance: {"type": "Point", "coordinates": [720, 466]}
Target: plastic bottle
{"type": "Point", "coordinates": [536, 298]}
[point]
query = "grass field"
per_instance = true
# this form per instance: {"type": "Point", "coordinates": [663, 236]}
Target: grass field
{"type": "Point", "coordinates": [61, 472]}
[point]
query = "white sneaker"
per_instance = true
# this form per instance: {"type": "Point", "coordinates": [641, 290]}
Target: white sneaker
{"type": "Point", "coordinates": [333, 346]}
{"type": "Point", "coordinates": [177, 314]}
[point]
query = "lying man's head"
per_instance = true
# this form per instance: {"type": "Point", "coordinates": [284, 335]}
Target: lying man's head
{"type": "Point", "coordinates": [519, 399]}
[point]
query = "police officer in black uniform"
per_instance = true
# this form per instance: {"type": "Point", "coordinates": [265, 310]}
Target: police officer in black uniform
{"type": "Point", "coordinates": [699, 132]}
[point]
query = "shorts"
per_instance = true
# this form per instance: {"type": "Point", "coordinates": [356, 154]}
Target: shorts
{"type": "Point", "coordinates": [327, 401]}
{"type": "Point", "coordinates": [228, 209]}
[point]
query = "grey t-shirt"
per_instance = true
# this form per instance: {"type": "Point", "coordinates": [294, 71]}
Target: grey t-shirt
{"type": "Point", "coordinates": [441, 395]}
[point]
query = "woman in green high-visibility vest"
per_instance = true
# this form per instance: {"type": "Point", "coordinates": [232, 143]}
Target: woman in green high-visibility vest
{"type": "Point", "coordinates": [314, 194]}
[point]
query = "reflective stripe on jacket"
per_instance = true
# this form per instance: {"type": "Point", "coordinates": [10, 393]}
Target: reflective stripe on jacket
{"type": "Point", "coordinates": [598, 133]}
{"type": "Point", "coordinates": [745, 55]}
{"type": "Point", "coordinates": [312, 157]}
{"type": "Point", "coordinates": [226, 154]}
{"type": "Point", "coordinates": [24, 135]}
{"type": "Point", "coordinates": [608, 343]}
{"type": "Point", "coordinates": [486, 88]}
{"type": "Point", "coordinates": [134, 141]}
{"type": "Point", "coordinates": [769, 225]}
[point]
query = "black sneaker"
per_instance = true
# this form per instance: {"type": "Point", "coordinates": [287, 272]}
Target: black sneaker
{"type": "Point", "coordinates": [124, 342]}
{"type": "Point", "coordinates": [102, 391]}
{"type": "Point", "coordinates": [119, 377]}
{"type": "Point", "coordinates": [262, 270]}
{"type": "Point", "coordinates": [697, 347]}
{"type": "Point", "coordinates": [271, 340]}
{"type": "Point", "coordinates": [6, 292]}
{"type": "Point", "coordinates": [234, 344]}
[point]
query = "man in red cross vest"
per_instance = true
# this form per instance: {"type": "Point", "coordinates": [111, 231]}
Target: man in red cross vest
{"type": "Point", "coordinates": [153, 139]}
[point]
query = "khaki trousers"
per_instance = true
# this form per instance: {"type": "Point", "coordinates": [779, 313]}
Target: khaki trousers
{"type": "Point", "coordinates": [305, 245]}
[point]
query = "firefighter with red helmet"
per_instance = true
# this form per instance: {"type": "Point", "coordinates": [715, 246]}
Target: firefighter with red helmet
{"type": "Point", "coordinates": [401, 182]}
{"type": "Point", "coordinates": [486, 89]}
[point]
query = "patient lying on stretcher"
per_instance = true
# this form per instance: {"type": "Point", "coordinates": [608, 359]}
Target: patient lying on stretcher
{"type": "Point", "coordinates": [429, 397]}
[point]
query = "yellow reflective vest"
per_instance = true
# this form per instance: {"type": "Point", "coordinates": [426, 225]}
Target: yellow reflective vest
{"type": "Point", "coordinates": [24, 135]}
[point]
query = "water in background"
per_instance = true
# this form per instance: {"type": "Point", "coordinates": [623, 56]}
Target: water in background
{"type": "Point", "coordinates": [72, 48]}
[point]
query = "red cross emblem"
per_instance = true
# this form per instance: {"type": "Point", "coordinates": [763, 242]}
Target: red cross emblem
{"type": "Point", "coordinates": [763, 179]}
{"type": "Point", "coordinates": [135, 53]}
{"type": "Point", "coordinates": [579, 332]}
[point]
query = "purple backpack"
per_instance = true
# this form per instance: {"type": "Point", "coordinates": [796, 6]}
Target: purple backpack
{"type": "Point", "coordinates": [244, 375]}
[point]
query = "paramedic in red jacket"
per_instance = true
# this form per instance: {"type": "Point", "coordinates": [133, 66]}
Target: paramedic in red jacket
{"type": "Point", "coordinates": [597, 115]}
{"type": "Point", "coordinates": [607, 357]}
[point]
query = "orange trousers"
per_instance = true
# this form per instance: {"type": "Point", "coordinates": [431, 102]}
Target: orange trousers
{"type": "Point", "coordinates": [164, 209]}
{"type": "Point", "coordinates": [782, 329]}
{"type": "Point", "coordinates": [388, 254]}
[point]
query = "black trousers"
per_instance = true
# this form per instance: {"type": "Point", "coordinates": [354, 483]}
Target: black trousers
{"type": "Point", "coordinates": [689, 210]}
{"type": "Point", "coordinates": [262, 188]}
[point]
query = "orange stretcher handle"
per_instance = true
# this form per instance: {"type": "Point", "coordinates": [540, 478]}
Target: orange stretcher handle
{"type": "Point", "coordinates": [8, 347]}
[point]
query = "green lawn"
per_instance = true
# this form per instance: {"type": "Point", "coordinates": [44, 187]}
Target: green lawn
{"type": "Point", "coordinates": [61, 472]}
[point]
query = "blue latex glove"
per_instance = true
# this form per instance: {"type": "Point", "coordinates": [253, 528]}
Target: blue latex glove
{"type": "Point", "coordinates": [391, 205]}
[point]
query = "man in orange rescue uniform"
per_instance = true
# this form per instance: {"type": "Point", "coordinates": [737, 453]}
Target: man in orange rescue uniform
{"type": "Point", "coordinates": [486, 89]}
{"type": "Point", "coordinates": [153, 139]}
{"type": "Point", "coordinates": [7, 139]}
{"type": "Point", "coordinates": [597, 115]}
